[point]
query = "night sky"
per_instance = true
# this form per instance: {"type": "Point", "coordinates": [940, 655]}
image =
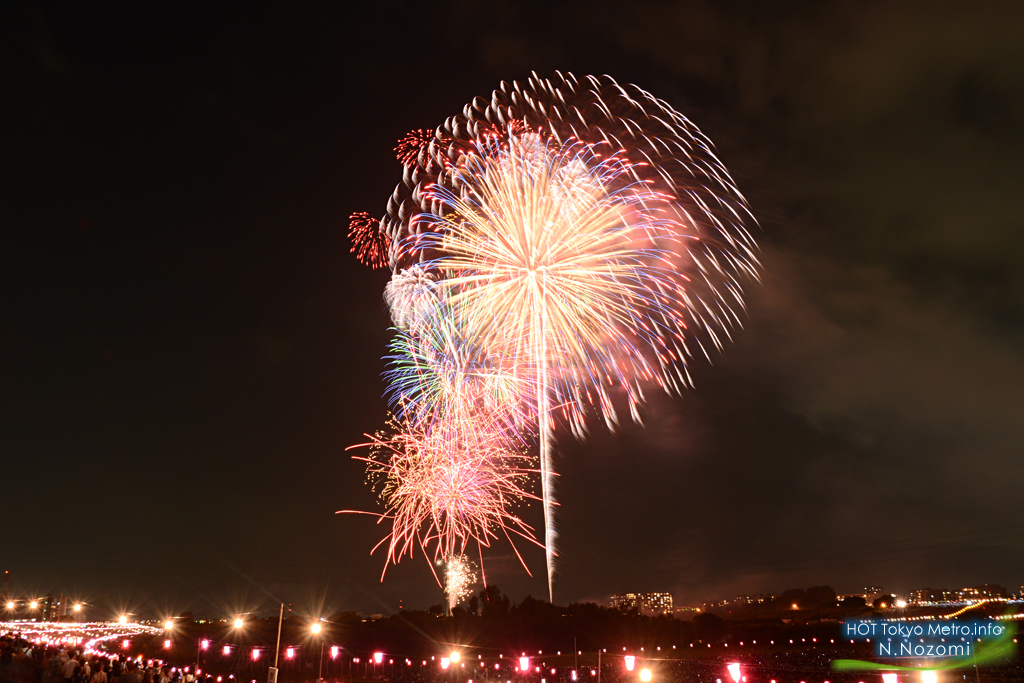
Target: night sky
{"type": "Point", "coordinates": [188, 347]}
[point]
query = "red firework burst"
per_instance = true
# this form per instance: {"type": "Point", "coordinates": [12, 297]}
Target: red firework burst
{"type": "Point", "coordinates": [411, 144]}
{"type": "Point", "coordinates": [369, 243]}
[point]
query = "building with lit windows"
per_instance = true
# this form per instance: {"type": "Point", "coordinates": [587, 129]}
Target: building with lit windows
{"type": "Point", "coordinates": [644, 603]}
{"type": "Point", "coordinates": [938, 596]}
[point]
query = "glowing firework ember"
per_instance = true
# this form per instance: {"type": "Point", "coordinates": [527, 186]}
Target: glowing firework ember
{"type": "Point", "coordinates": [581, 237]}
{"type": "Point", "coordinates": [369, 243]}
{"type": "Point", "coordinates": [459, 578]}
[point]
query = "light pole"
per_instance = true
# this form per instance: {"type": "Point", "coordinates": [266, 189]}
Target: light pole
{"type": "Point", "coordinates": [280, 620]}
{"type": "Point", "coordinates": [315, 628]}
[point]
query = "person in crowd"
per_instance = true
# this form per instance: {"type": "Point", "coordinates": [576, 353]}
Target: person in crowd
{"type": "Point", "coordinates": [129, 675]}
{"type": "Point", "coordinates": [69, 667]}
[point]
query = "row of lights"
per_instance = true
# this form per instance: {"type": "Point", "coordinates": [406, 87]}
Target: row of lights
{"type": "Point", "coordinates": [927, 676]}
{"type": "Point", "coordinates": [34, 604]}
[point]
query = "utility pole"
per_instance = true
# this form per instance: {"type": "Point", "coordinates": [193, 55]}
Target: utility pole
{"type": "Point", "coordinates": [280, 620]}
{"type": "Point", "coordinates": [272, 674]}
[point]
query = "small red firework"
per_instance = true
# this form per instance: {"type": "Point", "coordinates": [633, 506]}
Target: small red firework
{"type": "Point", "coordinates": [369, 243]}
{"type": "Point", "coordinates": [411, 144]}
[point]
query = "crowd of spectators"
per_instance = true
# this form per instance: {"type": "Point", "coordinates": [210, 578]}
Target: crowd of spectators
{"type": "Point", "coordinates": [22, 661]}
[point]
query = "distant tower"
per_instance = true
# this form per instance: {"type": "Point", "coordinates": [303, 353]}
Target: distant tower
{"type": "Point", "coordinates": [7, 585]}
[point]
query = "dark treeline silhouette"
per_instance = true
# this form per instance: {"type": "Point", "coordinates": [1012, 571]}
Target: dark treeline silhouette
{"type": "Point", "coordinates": [491, 621]}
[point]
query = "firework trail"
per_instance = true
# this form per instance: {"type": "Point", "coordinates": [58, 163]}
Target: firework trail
{"type": "Point", "coordinates": [588, 222]}
{"type": "Point", "coordinates": [460, 576]}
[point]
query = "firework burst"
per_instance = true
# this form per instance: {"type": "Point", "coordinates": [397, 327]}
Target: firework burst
{"type": "Point", "coordinates": [582, 237]}
{"type": "Point", "coordinates": [369, 243]}
{"type": "Point", "coordinates": [412, 145]}
{"type": "Point", "coordinates": [411, 294]}
{"type": "Point", "coordinates": [436, 374]}
{"type": "Point", "coordinates": [556, 259]}
{"type": "Point", "coordinates": [448, 485]}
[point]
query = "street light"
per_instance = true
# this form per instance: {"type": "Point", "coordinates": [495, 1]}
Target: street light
{"type": "Point", "coordinates": [123, 619]}
{"type": "Point", "coordinates": [33, 604]}
{"type": "Point", "coordinates": [239, 623]}
{"type": "Point", "coordinates": [630, 662]}
{"type": "Point", "coordinates": [734, 672]}
{"type": "Point", "coordinates": [168, 625]}
{"type": "Point", "coordinates": [645, 675]}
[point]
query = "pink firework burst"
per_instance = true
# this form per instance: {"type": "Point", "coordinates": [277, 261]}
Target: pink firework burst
{"type": "Point", "coordinates": [446, 486]}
